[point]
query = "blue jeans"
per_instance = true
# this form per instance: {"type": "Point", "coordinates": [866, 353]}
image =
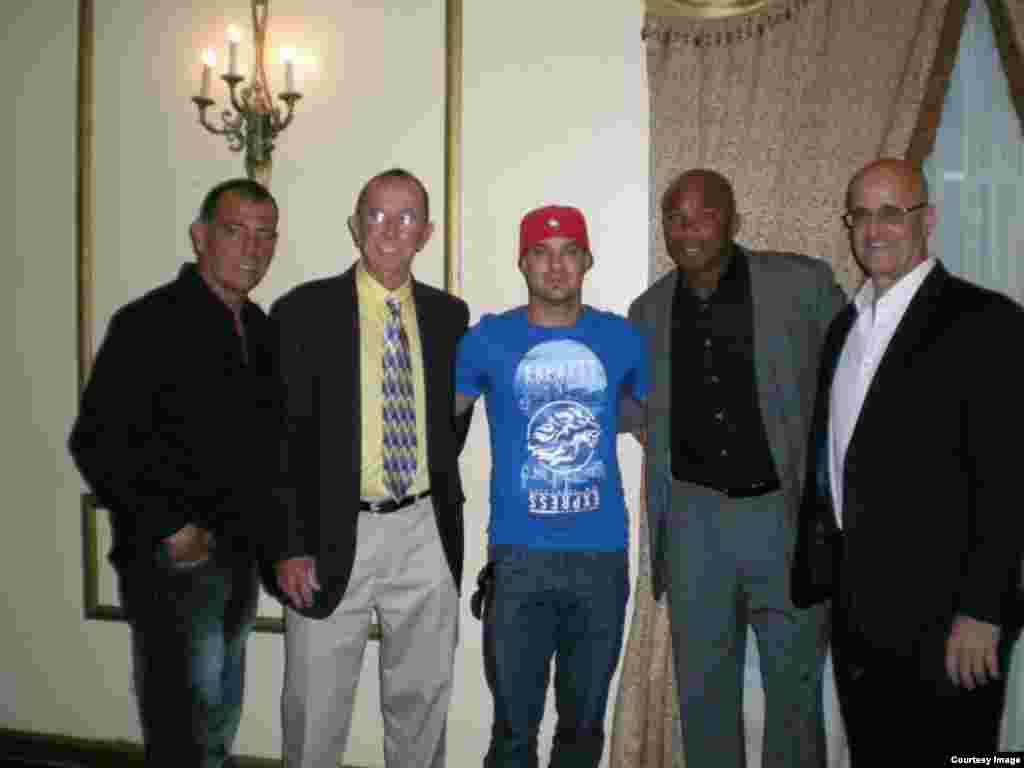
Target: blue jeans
{"type": "Point", "coordinates": [570, 605]}
{"type": "Point", "coordinates": [189, 629]}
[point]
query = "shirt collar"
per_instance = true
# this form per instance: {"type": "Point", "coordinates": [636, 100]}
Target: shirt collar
{"type": "Point", "coordinates": [894, 302]}
{"type": "Point", "coordinates": [732, 281]}
{"type": "Point", "coordinates": [376, 293]}
{"type": "Point", "coordinates": [193, 282]}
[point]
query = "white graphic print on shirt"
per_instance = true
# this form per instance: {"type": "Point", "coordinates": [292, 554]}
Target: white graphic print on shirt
{"type": "Point", "coordinates": [561, 387]}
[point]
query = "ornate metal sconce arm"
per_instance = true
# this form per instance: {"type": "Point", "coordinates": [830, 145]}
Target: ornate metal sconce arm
{"type": "Point", "coordinates": [233, 81]}
{"type": "Point", "coordinates": [232, 124]}
{"type": "Point", "coordinates": [289, 98]}
{"type": "Point", "coordinates": [255, 122]}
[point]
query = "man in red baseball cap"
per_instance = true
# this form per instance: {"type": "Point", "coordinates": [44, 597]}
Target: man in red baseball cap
{"type": "Point", "coordinates": [554, 257]}
{"type": "Point", "coordinates": [552, 373]}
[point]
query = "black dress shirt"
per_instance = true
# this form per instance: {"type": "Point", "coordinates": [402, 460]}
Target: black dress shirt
{"type": "Point", "coordinates": [718, 435]}
{"type": "Point", "coordinates": [180, 420]}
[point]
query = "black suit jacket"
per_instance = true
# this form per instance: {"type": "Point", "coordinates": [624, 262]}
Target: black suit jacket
{"type": "Point", "coordinates": [931, 518]}
{"type": "Point", "coordinates": [317, 327]}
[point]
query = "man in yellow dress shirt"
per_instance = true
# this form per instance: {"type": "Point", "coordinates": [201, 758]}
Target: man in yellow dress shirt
{"type": "Point", "coordinates": [370, 488]}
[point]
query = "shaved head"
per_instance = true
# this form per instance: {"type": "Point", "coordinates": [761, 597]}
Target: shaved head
{"type": "Point", "coordinates": [889, 247]}
{"type": "Point", "coordinates": [897, 172]}
{"type": "Point", "coordinates": [715, 191]}
{"type": "Point", "coordinates": [698, 214]}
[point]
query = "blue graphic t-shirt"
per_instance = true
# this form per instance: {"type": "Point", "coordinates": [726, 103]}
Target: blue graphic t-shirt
{"type": "Point", "coordinates": [552, 398]}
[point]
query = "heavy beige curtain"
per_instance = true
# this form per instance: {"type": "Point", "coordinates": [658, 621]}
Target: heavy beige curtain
{"type": "Point", "coordinates": [1008, 26]}
{"type": "Point", "coordinates": [1015, 9]}
{"type": "Point", "coordinates": [787, 102]}
{"type": "Point", "coordinates": [1013, 13]}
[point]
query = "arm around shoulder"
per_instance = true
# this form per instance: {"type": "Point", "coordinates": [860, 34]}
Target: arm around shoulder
{"type": "Point", "coordinates": [463, 406]}
{"type": "Point", "coordinates": [633, 399]}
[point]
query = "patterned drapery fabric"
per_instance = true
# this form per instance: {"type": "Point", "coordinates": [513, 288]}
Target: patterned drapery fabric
{"type": "Point", "coordinates": [789, 112]}
{"type": "Point", "coordinates": [1008, 24]}
{"type": "Point", "coordinates": [1015, 9]}
{"type": "Point", "coordinates": [787, 103]}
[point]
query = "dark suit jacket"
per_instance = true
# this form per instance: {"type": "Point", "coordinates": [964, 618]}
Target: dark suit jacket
{"type": "Point", "coordinates": [318, 332]}
{"type": "Point", "coordinates": [931, 518]}
{"type": "Point", "coordinates": [794, 299]}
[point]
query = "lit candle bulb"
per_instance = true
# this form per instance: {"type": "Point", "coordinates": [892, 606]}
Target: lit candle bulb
{"type": "Point", "coordinates": [288, 57]}
{"type": "Point", "coordinates": [209, 62]}
{"type": "Point", "coordinates": [234, 38]}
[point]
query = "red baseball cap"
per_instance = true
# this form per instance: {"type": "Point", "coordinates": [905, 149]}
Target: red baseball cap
{"type": "Point", "coordinates": [552, 221]}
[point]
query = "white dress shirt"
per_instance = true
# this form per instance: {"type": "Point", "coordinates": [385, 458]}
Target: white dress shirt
{"type": "Point", "coordinates": [877, 320]}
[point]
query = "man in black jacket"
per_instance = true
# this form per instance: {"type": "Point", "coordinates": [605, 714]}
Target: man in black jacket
{"type": "Point", "coordinates": [176, 437]}
{"type": "Point", "coordinates": [909, 522]}
{"type": "Point", "coordinates": [370, 487]}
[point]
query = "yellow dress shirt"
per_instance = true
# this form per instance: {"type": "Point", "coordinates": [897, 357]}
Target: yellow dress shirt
{"type": "Point", "coordinates": [373, 312]}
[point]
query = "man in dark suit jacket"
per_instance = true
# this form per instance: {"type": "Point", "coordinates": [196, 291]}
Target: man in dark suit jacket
{"type": "Point", "coordinates": [910, 522]}
{"type": "Point", "coordinates": [371, 488]}
{"type": "Point", "coordinates": [734, 342]}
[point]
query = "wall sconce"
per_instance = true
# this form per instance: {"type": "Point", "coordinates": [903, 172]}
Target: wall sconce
{"type": "Point", "coordinates": [255, 121]}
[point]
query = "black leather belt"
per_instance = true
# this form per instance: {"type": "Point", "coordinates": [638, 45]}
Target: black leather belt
{"type": "Point", "coordinates": [387, 506]}
{"type": "Point", "coordinates": [749, 491]}
{"type": "Point", "coordinates": [740, 492]}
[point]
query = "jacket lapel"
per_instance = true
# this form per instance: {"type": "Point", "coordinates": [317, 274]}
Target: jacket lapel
{"type": "Point", "coordinates": [915, 328]}
{"type": "Point", "coordinates": [773, 356]}
{"type": "Point", "coordinates": [833, 348]}
{"type": "Point", "coordinates": [343, 373]}
{"type": "Point", "coordinates": [429, 352]}
{"type": "Point", "coordinates": [661, 371]}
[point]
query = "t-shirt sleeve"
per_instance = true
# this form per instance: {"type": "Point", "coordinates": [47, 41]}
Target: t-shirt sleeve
{"type": "Point", "coordinates": [637, 382]}
{"type": "Point", "coordinates": [469, 363]}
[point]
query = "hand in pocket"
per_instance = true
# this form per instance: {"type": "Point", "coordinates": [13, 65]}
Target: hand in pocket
{"type": "Point", "coordinates": [189, 546]}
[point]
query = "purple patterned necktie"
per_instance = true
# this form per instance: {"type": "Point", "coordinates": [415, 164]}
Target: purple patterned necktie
{"type": "Point", "coordinates": [399, 405]}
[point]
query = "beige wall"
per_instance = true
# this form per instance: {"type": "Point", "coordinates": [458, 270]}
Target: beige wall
{"type": "Point", "coordinates": [555, 110]}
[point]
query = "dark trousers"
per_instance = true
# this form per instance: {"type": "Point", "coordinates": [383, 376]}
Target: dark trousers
{"type": "Point", "coordinates": [897, 707]}
{"type": "Point", "coordinates": [189, 628]}
{"type": "Point", "coordinates": [566, 605]}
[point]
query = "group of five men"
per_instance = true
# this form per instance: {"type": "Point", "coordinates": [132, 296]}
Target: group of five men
{"type": "Point", "coordinates": [796, 452]}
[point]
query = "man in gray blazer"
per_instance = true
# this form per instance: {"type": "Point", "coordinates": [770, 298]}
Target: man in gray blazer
{"type": "Point", "coordinates": [735, 337]}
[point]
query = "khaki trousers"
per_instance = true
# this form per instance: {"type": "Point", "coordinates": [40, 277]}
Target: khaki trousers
{"type": "Point", "coordinates": [401, 574]}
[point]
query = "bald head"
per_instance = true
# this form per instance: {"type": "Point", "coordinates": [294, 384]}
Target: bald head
{"type": "Point", "coordinates": [712, 187]}
{"type": "Point", "coordinates": [895, 172]}
{"type": "Point", "coordinates": [698, 214]}
{"type": "Point", "coordinates": [890, 220]}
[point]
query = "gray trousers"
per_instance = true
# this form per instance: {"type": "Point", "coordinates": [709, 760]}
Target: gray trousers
{"type": "Point", "coordinates": [400, 572]}
{"type": "Point", "coordinates": [726, 569]}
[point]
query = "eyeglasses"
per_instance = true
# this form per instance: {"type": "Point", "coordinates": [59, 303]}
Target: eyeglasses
{"type": "Point", "coordinates": [886, 216]}
{"type": "Point", "coordinates": [405, 220]}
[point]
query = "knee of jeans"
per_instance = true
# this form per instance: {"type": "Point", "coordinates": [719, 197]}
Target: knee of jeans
{"type": "Point", "coordinates": [207, 676]}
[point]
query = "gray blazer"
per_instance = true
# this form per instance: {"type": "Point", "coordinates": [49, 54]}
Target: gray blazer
{"type": "Point", "coordinates": [794, 300]}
